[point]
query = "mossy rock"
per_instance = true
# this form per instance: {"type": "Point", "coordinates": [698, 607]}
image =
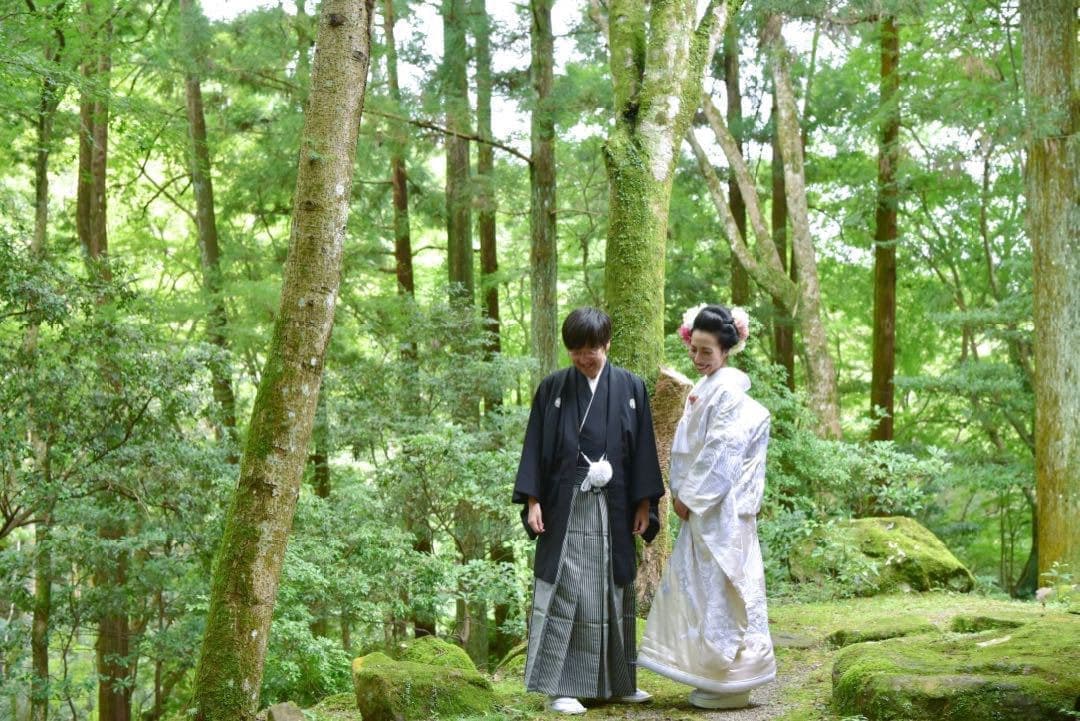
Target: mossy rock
{"type": "Point", "coordinates": [513, 663]}
{"type": "Point", "coordinates": [977, 624]}
{"type": "Point", "coordinates": [1029, 673]}
{"type": "Point", "coordinates": [434, 651]}
{"type": "Point", "coordinates": [905, 555]}
{"type": "Point", "coordinates": [388, 690]}
{"type": "Point", "coordinates": [339, 707]}
{"type": "Point", "coordinates": [880, 630]}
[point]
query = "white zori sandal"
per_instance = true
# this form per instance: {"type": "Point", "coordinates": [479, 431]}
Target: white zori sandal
{"type": "Point", "coordinates": [565, 704]}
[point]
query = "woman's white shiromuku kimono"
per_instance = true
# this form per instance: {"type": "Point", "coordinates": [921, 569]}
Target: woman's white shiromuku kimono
{"type": "Point", "coordinates": [708, 626]}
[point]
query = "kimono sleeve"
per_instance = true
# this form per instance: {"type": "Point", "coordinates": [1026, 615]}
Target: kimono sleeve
{"type": "Point", "coordinates": [530, 467]}
{"type": "Point", "coordinates": [718, 465]}
{"type": "Point", "coordinates": [645, 479]}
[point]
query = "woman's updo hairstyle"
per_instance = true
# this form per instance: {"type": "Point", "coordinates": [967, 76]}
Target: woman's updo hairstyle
{"type": "Point", "coordinates": [717, 320]}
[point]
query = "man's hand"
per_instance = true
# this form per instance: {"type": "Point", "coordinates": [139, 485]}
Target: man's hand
{"type": "Point", "coordinates": [681, 510]}
{"type": "Point", "coordinates": [536, 518]}
{"type": "Point", "coordinates": [641, 517]}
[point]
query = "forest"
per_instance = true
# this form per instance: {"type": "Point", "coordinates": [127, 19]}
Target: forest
{"type": "Point", "coordinates": [278, 281]}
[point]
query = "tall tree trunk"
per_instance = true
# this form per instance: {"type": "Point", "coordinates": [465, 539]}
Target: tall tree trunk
{"type": "Point", "coordinates": [458, 193]}
{"type": "Point", "coordinates": [885, 234]}
{"type": "Point", "coordinates": [783, 328]}
{"type": "Point", "coordinates": [1053, 186]}
{"type": "Point", "coordinates": [503, 641]}
{"type": "Point", "coordinates": [403, 261]}
{"type": "Point", "coordinates": [43, 575]}
{"type": "Point", "coordinates": [740, 279]}
{"type": "Point", "coordinates": [113, 666]}
{"type": "Point", "coordinates": [206, 223]}
{"type": "Point", "coordinates": [248, 565]}
{"type": "Point", "coordinates": [656, 70]}
{"type": "Point", "coordinates": [544, 248]}
{"type": "Point", "coordinates": [486, 201]}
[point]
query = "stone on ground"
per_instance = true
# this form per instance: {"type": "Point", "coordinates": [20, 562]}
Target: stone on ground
{"type": "Point", "coordinates": [902, 553]}
{"type": "Point", "coordinates": [287, 711]}
{"type": "Point", "coordinates": [1028, 673]}
{"type": "Point", "coordinates": [389, 690]}
{"type": "Point", "coordinates": [513, 663]}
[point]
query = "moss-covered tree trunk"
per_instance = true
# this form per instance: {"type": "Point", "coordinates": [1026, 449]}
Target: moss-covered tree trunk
{"type": "Point", "coordinates": [885, 234]}
{"type": "Point", "coordinates": [543, 253]}
{"type": "Point", "coordinates": [202, 184]}
{"type": "Point", "coordinates": [455, 81]}
{"type": "Point", "coordinates": [1053, 224]}
{"type": "Point", "coordinates": [656, 73]}
{"type": "Point", "coordinates": [656, 70]}
{"type": "Point", "coordinates": [248, 564]}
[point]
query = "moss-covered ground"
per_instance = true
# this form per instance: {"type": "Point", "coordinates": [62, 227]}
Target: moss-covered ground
{"type": "Point", "coordinates": [805, 658]}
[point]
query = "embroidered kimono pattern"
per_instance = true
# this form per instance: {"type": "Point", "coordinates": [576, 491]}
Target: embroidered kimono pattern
{"type": "Point", "coordinates": [708, 625]}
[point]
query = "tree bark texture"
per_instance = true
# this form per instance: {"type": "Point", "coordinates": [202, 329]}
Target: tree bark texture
{"type": "Point", "coordinates": [1053, 225]}
{"type": "Point", "coordinates": [39, 630]}
{"type": "Point", "coordinates": [248, 564]}
{"type": "Point", "coordinates": [656, 69]}
{"type": "Point", "coordinates": [458, 192]}
{"type": "Point", "coordinates": [113, 649]}
{"type": "Point", "coordinates": [885, 235]}
{"type": "Point", "coordinates": [206, 222]}
{"type": "Point", "coordinates": [740, 279]}
{"type": "Point", "coordinates": [783, 327]}
{"type": "Point", "coordinates": [403, 261]}
{"type": "Point", "coordinates": [544, 252]}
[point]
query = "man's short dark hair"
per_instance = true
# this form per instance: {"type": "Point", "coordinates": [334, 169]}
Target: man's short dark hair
{"type": "Point", "coordinates": [586, 328]}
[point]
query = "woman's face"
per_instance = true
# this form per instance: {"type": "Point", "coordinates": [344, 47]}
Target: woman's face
{"type": "Point", "coordinates": [705, 352]}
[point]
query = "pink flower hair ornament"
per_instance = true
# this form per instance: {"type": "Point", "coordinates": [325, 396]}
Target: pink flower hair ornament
{"type": "Point", "coordinates": [739, 317]}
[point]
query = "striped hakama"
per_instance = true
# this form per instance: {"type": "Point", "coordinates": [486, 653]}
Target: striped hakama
{"type": "Point", "coordinates": [581, 635]}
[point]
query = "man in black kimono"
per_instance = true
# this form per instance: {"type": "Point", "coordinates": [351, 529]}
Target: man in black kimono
{"type": "Point", "coordinates": [589, 480]}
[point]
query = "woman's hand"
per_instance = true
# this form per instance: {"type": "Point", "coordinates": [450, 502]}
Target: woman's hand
{"type": "Point", "coordinates": [681, 510]}
{"type": "Point", "coordinates": [641, 517]}
{"type": "Point", "coordinates": [536, 517]}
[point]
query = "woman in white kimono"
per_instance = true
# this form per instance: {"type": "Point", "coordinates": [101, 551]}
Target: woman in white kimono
{"type": "Point", "coordinates": [708, 625]}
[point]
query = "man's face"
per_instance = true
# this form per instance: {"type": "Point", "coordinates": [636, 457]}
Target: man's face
{"type": "Point", "coordinates": [590, 361]}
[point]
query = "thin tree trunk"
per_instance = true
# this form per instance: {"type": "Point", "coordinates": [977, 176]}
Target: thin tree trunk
{"type": "Point", "coordinates": [740, 279]}
{"type": "Point", "coordinates": [544, 249]}
{"type": "Point", "coordinates": [39, 631]}
{"type": "Point", "coordinates": [783, 328]}
{"type": "Point", "coordinates": [206, 223]}
{"type": "Point", "coordinates": [885, 234]}
{"type": "Point", "coordinates": [486, 201]}
{"type": "Point", "coordinates": [1053, 187]}
{"type": "Point", "coordinates": [403, 261]}
{"type": "Point", "coordinates": [458, 193]}
{"type": "Point", "coordinates": [248, 565]}
{"type": "Point", "coordinates": [824, 395]}
{"type": "Point", "coordinates": [43, 574]}
{"type": "Point", "coordinates": [503, 641]}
